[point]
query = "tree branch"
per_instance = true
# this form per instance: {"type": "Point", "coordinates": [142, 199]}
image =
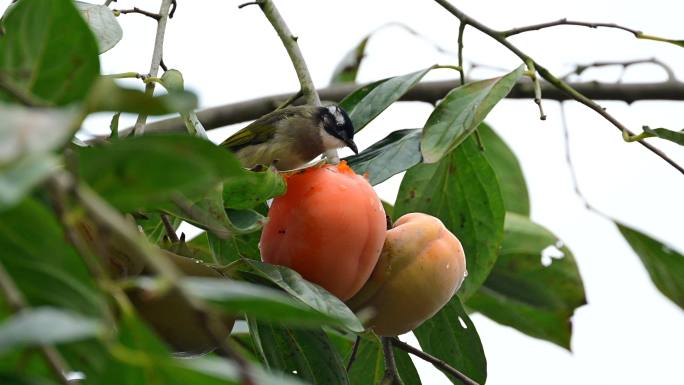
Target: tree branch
{"type": "Point", "coordinates": [536, 27]}
{"type": "Point", "coordinates": [429, 92]}
{"type": "Point", "coordinates": [391, 376]}
{"type": "Point", "coordinates": [436, 362]}
{"type": "Point", "coordinates": [152, 15]}
{"type": "Point", "coordinates": [290, 42]}
{"type": "Point", "coordinates": [157, 54]}
{"type": "Point", "coordinates": [16, 302]}
{"type": "Point", "coordinates": [549, 77]}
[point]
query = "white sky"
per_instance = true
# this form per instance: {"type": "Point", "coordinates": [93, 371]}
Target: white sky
{"type": "Point", "coordinates": [628, 333]}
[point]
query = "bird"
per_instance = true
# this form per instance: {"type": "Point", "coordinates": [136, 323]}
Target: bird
{"type": "Point", "coordinates": [290, 137]}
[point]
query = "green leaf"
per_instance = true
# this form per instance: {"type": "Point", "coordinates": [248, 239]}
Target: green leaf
{"type": "Point", "coordinates": [462, 191]}
{"type": "Point", "coordinates": [45, 268]}
{"type": "Point", "coordinates": [45, 326]}
{"type": "Point", "coordinates": [664, 133]}
{"type": "Point", "coordinates": [308, 354]}
{"type": "Point", "coordinates": [148, 171]}
{"type": "Point", "coordinates": [18, 179]}
{"type": "Point", "coordinates": [102, 23]}
{"type": "Point", "coordinates": [255, 300]}
{"type": "Point", "coordinates": [23, 379]}
{"type": "Point", "coordinates": [311, 294]}
{"type": "Point", "coordinates": [29, 131]}
{"type": "Point", "coordinates": [366, 103]}
{"type": "Point", "coordinates": [348, 67]}
{"type": "Point", "coordinates": [396, 153]}
{"type": "Point", "coordinates": [664, 265]}
{"type": "Point", "coordinates": [238, 246]}
{"type": "Point", "coordinates": [106, 95]}
{"type": "Point", "coordinates": [535, 285]}
{"type": "Point", "coordinates": [507, 169]}
{"type": "Point", "coordinates": [451, 336]}
{"type": "Point", "coordinates": [48, 51]}
{"type": "Point", "coordinates": [252, 188]}
{"type": "Point", "coordinates": [460, 112]}
{"type": "Point", "coordinates": [206, 213]}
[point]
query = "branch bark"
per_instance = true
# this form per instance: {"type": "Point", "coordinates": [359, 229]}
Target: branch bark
{"type": "Point", "coordinates": [429, 92]}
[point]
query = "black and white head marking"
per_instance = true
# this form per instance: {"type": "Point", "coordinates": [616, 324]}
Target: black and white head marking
{"type": "Point", "coordinates": [337, 124]}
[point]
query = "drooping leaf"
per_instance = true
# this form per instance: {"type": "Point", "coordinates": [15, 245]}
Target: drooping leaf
{"type": "Point", "coordinates": [206, 212]}
{"type": "Point", "coordinates": [366, 103]}
{"type": "Point", "coordinates": [461, 112]}
{"type": "Point", "coordinates": [664, 133]}
{"type": "Point", "coordinates": [45, 268]}
{"type": "Point", "coordinates": [238, 246]}
{"type": "Point", "coordinates": [451, 336]}
{"type": "Point", "coordinates": [102, 22]}
{"type": "Point", "coordinates": [307, 354]}
{"type": "Point", "coordinates": [30, 131]}
{"type": "Point", "coordinates": [258, 301]}
{"type": "Point", "coordinates": [48, 51]}
{"type": "Point", "coordinates": [348, 67]}
{"type": "Point", "coordinates": [664, 265]}
{"type": "Point", "coordinates": [396, 153]}
{"type": "Point", "coordinates": [106, 95]}
{"type": "Point", "coordinates": [535, 285]}
{"type": "Point", "coordinates": [45, 326]}
{"type": "Point", "coordinates": [309, 293]}
{"type": "Point", "coordinates": [462, 191]}
{"type": "Point", "coordinates": [148, 171]}
{"type": "Point", "coordinates": [507, 169]}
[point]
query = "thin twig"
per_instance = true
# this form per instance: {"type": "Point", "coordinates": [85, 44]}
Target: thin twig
{"type": "Point", "coordinates": [429, 92]}
{"type": "Point", "coordinates": [355, 349]}
{"type": "Point", "coordinates": [153, 15]}
{"type": "Point", "coordinates": [537, 89]}
{"type": "Point", "coordinates": [107, 2]}
{"type": "Point", "coordinates": [170, 231]}
{"type": "Point", "coordinates": [548, 76]}
{"type": "Point", "coordinates": [461, 31]}
{"type": "Point", "coordinates": [16, 302]}
{"type": "Point", "coordinates": [436, 362]}
{"type": "Point", "coordinates": [391, 376]}
{"type": "Point", "coordinates": [157, 55]}
{"type": "Point", "coordinates": [581, 68]}
{"type": "Point", "coordinates": [536, 27]}
{"type": "Point", "coordinates": [290, 100]}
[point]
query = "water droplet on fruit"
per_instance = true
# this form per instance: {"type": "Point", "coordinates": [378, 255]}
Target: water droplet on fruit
{"type": "Point", "coordinates": [342, 187]}
{"type": "Point", "coordinates": [465, 273]}
{"type": "Point", "coordinates": [448, 266]}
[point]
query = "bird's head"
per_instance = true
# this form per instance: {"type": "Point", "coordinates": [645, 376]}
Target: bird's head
{"type": "Point", "coordinates": [337, 129]}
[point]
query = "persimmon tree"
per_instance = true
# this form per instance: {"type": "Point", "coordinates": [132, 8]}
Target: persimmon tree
{"type": "Point", "coordinates": [97, 287]}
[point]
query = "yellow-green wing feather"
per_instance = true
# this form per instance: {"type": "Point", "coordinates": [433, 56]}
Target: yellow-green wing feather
{"type": "Point", "coordinates": [260, 131]}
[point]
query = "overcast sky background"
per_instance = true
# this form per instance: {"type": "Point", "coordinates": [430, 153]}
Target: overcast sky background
{"type": "Point", "coordinates": [628, 333]}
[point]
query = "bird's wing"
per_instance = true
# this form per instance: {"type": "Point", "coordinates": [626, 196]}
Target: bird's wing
{"type": "Point", "coordinates": [259, 131]}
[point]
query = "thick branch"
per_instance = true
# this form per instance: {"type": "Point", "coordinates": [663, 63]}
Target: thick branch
{"type": "Point", "coordinates": [436, 362]}
{"type": "Point", "coordinates": [430, 92]}
{"type": "Point", "coordinates": [290, 43]}
{"type": "Point", "coordinates": [548, 76]}
{"type": "Point", "coordinates": [157, 54]}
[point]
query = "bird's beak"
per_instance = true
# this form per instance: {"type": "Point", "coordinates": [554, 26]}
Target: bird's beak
{"type": "Point", "coordinates": [350, 143]}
